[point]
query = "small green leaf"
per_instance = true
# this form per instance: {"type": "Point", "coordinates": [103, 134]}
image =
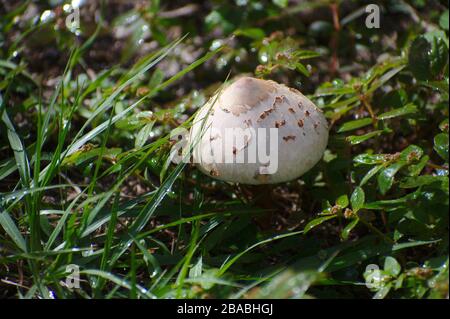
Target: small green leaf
{"type": "Point", "coordinates": [356, 139]}
{"type": "Point", "coordinates": [254, 33]}
{"type": "Point", "coordinates": [342, 201]}
{"type": "Point", "coordinates": [392, 267]}
{"type": "Point", "coordinates": [357, 199]}
{"type": "Point", "coordinates": [417, 181]}
{"type": "Point", "coordinates": [347, 229]}
{"type": "Point", "coordinates": [352, 125]}
{"type": "Point", "coordinates": [441, 145]}
{"type": "Point", "coordinates": [306, 54]}
{"type": "Point", "coordinates": [317, 222]}
{"type": "Point", "coordinates": [395, 98]}
{"type": "Point", "coordinates": [386, 177]}
{"type": "Point", "coordinates": [143, 135]}
{"type": "Point", "coordinates": [135, 121]}
{"type": "Point", "coordinates": [407, 109]}
{"type": "Point", "coordinates": [418, 58]}
{"type": "Point", "coordinates": [443, 20]}
{"type": "Point", "coordinates": [324, 91]}
{"type": "Point", "coordinates": [156, 80]}
{"type": "Point", "coordinates": [369, 159]}
{"type": "Point", "coordinates": [383, 292]}
{"type": "Point", "coordinates": [387, 203]}
{"type": "Point", "coordinates": [428, 55]}
{"type": "Point", "coordinates": [302, 69]}
{"type": "Point", "coordinates": [288, 284]}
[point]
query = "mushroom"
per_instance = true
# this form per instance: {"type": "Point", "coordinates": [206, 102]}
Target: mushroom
{"type": "Point", "coordinates": [256, 131]}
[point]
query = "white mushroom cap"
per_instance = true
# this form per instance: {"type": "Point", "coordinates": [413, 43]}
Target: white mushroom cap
{"type": "Point", "coordinates": [251, 107]}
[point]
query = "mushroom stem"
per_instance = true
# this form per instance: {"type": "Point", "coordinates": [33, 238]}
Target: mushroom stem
{"type": "Point", "coordinates": [262, 196]}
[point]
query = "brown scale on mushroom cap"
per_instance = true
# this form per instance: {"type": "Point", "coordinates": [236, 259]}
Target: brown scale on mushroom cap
{"type": "Point", "coordinates": [279, 99]}
{"type": "Point", "coordinates": [278, 124]}
{"type": "Point", "coordinates": [289, 137]}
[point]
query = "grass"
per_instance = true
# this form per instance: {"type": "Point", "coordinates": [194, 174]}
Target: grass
{"type": "Point", "coordinates": [86, 178]}
{"type": "Point", "coordinates": [79, 227]}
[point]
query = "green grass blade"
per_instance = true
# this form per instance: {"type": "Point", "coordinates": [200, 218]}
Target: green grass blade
{"type": "Point", "coordinates": [11, 229]}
